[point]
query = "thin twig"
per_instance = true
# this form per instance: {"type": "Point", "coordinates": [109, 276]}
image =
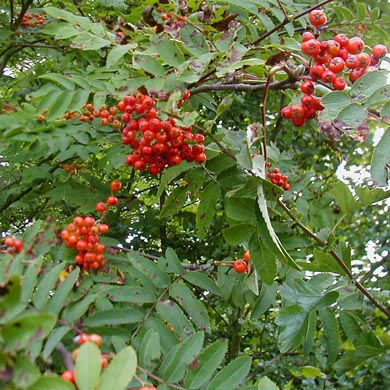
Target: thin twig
{"type": "Point", "coordinates": [338, 259]}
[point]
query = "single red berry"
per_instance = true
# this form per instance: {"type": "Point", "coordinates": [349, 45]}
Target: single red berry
{"type": "Point", "coordinates": [95, 338]}
{"type": "Point", "coordinates": [103, 228]}
{"type": "Point", "coordinates": [311, 47]}
{"type": "Point", "coordinates": [112, 200]}
{"type": "Point", "coordinates": [101, 207]}
{"type": "Point", "coordinates": [351, 62]}
{"type": "Point", "coordinates": [328, 76]}
{"type": "Point", "coordinates": [379, 51]}
{"type": "Point", "coordinates": [317, 18]}
{"type": "Point", "coordinates": [69, 376]}
{"type": "Point", "coordinates": [316, 71]}
{"type": "Point", "coordinates": [339, 83]}
{"type": "Point", "coordinates": [307, 35]}
{"type": "Point", "coordinates": [332, 47]}
{"type": "Point", "coordinates": [240, 265]}
{"type": "Point", "coordinates": [364, 60]}
{"type": "Point", "coordinates": [336, 65]}
{"type": "Point", "coordinates": [355, 45]}
{"type": "Point", "coordinates": [298, 122]}
{"type": "Point", "coordinates": [342, 39]}
{"type": "Point", "coordinates": [116, 186]}
{"type": "Point", "coordinates": [307, 87]}
{"type": "Point", "coordinates": [286, 112]}
{"type": "Point", "coordinates": [297, 111]}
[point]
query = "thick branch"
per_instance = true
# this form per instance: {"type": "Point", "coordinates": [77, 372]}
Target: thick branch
{"type": "Point", "coordinates": [242, 87]}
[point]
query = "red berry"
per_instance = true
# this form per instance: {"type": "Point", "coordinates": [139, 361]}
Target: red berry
{"type": "Point", "coordinates": [336, 65]}
{"type": "Point", "coordinates": [112, 200]}
{"type": "Point", "coordinates": [342, 39]}
{"type": "Point", "coordinates": [286, 112]}
{"type": "Point", "coordinates": [316, 71]}
{"type": "Point", "coordinates": [351, 62]}
{"type": "Point", "coordinates": [317, 18]}
{"type": "Point", "coordinates": [101, 207]}
{"type": "Point", "coordinates": [364, 60]}
{"type": "Point", "coordinates": [339, 83]}
{"type": "Point", "coordinates": [95, 338]}
{"type": "Point", "coordinates": [298, 122]}
{"type": "Point", "coordinates": [379, 51]}
{"type": "Point", "coordinates": [297, 111]}
{"type": "Point", "coordinates": [332, 47]}
{"type": "Point", "coordinates": [247, 256]}
{"type": "Point", "coordinates": [355, 45]}
{"type": "Point", "coordinates": [69, 376]}
{"type": "Point", "coordinates": [307, 35]}
{"type": "Point", "coordinates": [328, 76]}
{"type": "Point", "coordinates": [311, 47]}
{"type": "Point", "coordinates": [240, 265]}
{"type": "Point", "coordinates": [103, 228]}
{"type": "Point", "coordinates": [307, 87]}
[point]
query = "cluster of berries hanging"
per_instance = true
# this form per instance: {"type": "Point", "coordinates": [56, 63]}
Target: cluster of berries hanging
{"type": "Point", "coordinates": [13, 245]}
{"type": "Point", "coordinates": [156, 143]}
{"type": "Point", "coordinates": [241, 265]}
{"type": "Point", "coordinates": [32, 20]}
{"type": "Point", "coordinates": [69, 375]}
{"type": "Point", "coordinates": [334, 62]}
{"type": "Point", "coordinates": [278, 179]}
{"type": "Point", "coordinates": [82, 234]}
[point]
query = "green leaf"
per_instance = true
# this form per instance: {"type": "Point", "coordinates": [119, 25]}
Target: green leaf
{"type": "Point", "coordinates": [265, 300]}
{"type": "Point", "coordinates": [88, 366]}
{"type": "Point", "coordinates": [344, 197]}
{"type": "Point", "coordinates": [150, 350]}
{"type": "Point", "coordinates": [168, 339]}
{"type": "Point", "coordinates": [355, 357]}
{"type": "Point", "coordinates": [78, 309]}
{"type": "Point", "coordinates": [331, 331]}
{"type": "Point", "coordinates": [150, 269]}
{"type": "Point", "coordinates": [266, 384]}
{"type": "Point", "coordinates": [120, 371]}
{"type": "Point", "coordinates": [26, 330]}
{"type": "Point", "coordinates": [25, 372]}
{"type": "Point", "coordinates": [311, 372]}
{"type": "Point", "coordinates": [193, 40]}
{"type": "Point", "coordinates": [207, 364]}
{"type": "Point", "coordinates": [168, 51]}
{"type": "Point", "coordinates": [334, 102]}
{"type": "Point", "coordinates": [202, 280]}
{"type": "Point", "coordinates": [241, 209]}
{"type": "Point", "coordinates": [381, 96]}
{"type": "Point", "coordinates": [53, 340]}
{"type": "Point", "coordinates": [237, 234]}
{"type": "Point", "coordinates": [369, 196]}
{"type": "Point", "coordinates": [10, 298]}
{"type": "Point", "coordinates": [51, 383]}
{"type": "Point", "coordinates": [114, 317]}
{"type": "Point", "coordinates": [173, 261]}
{"type": "Point", "coordinates": [148, 64]}
{"type": "Point", "coordinates": [380, 163]}
{"type": "Point", "coordinates": [194, 307]}
{"type": "Point", "coordinates": [118, 52]}
{"type": "Point", "coordinates": [231, 375]}
{"type": "Point", "coordinates": [59, 79]}
{"type": "Point", "coordinates": [62, 291]}
{"type": "Point", "coordinates": [80, 98]}
{"type": "Point", "coordinates": [46, 285]}
{"type": "Point", "coordinates": [170, 312]}
{"type": "Point", "coordinates": [353, 115]}
{"type": "Point", "coordinates": [206, 209]}
{"type": "Point", "coordinates": [367, 85]}
{"type": "Point", "coordinates": [173, 369]}
{"type": "Point", "coordinates": [293, 321]}
{"type": "Point", "coordinates": [134, 294]}
{"type": "Point", "coordinates": [264, 260]}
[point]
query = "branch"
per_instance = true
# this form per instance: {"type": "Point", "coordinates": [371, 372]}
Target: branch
{"type": "Point", "coordinates": [338, 259]}
{"type": "Point", "coordinates": [242, 87]}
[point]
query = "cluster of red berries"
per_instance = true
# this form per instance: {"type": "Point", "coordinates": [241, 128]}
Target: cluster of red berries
{"type": "Point", "coordinates": [156, 143]}
{"type": "Point", "coordinates": [331, 60]}
{"type": "Point", "coordinates": [112, 200]}
{"type": "Point", "coordinates": [82, 234]}
{"type": "Point", "coordinates": [32, 20]}
{"type": "Point", "coordinates": [241, 265]}
{"type": "Point", "coordinates": [72, 168]}
{"type": "Point", "coordinates": [13, 245]}
{"type": "Point", "coordinates": [278, 179]}
{"type": "Point", "coordinates": [69, 375]}
{"type": "Point", "coordinates": [108, 115]}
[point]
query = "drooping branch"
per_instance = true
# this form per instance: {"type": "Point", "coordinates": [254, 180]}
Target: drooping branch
{"type": "Point", "coordinates": [338, 259]}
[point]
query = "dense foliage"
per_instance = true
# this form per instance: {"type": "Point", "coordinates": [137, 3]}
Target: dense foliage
{"type": "Point", "coordinates": [189, 201]}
